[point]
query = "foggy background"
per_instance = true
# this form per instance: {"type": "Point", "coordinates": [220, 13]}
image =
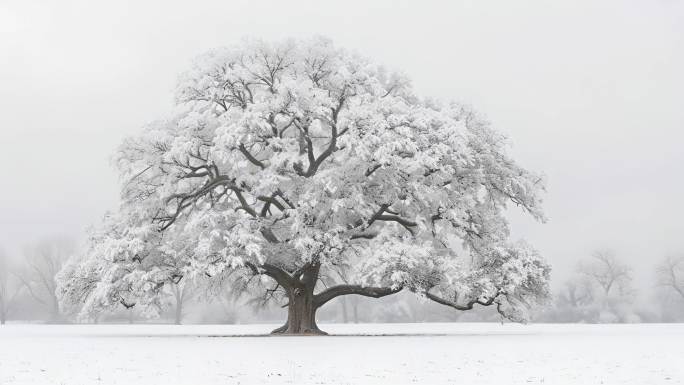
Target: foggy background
{"type": "Point", "coordinates": [589, 92]}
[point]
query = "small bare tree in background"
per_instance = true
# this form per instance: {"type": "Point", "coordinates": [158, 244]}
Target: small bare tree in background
{"type": "Point", "coordinates": [576, 293]}
{"type": "Point", "coordinates": [182, 292]}
{"type": "Point", "coordinates": [610, 285]}
{"type": "Point", "coordinates": [9, 287]}
{"type": "Point", "coordinates": [608, 273]}
{"type": "Point", "coordinates": [600, 291]}
{"type": "Point", "coordinates": [574, 301]}
{"type": "Point", "coordinates": [670, 274]}
{"type": "Point", "coordinates": [42, 262]}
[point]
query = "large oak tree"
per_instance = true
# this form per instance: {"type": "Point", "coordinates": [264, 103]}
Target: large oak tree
{"type": "Point", "coordinates": [308, 172]}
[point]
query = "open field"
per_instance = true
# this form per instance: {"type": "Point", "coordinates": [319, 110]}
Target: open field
{"type": "Point", "coordinates": [458, 353]}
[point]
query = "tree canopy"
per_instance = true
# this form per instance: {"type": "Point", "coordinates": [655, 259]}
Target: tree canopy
{"type": "Point", "coordinates": [309, 172]}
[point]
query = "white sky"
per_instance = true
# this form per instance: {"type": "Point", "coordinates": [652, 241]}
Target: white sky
{"type": "Point", "coordinates": [591, 93]}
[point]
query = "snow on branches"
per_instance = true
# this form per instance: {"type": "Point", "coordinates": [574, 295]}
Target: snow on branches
{"type": "Point", "coordinates": [300, 162]}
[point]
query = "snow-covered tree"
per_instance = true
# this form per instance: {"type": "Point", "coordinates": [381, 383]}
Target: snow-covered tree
{"type": "Point", "coordinates": [101, 279]}
{"type": "Point", "coordinates": [283, 162]}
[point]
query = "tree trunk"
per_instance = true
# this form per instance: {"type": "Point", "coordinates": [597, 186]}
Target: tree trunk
{"type": "Point", "coordinates": [301, 314]}
{"type": "Point", "coordinates": [179, 311]}
{"type": "Point", "coordinates": [345, 315]}
{"type": "Point", "coordinates": [180, 293]}
{"type": "Point", "coordinates": [2, 311]}
{"type": "Point", "coordinates": [301, 309]}
{"type": "Point", "coordinates": [355, 308]}
{"type": "Point", "coordinates": [55, 314]}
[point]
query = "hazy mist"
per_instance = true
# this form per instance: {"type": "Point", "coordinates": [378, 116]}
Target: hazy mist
{"type": "Point", "coordinates": [589, 92]}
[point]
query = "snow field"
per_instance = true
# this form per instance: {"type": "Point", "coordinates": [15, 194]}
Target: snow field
{"type": "Point", "coordinates": [457, 353]}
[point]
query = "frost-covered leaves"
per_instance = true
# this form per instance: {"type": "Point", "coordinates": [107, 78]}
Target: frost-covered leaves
{"type": "Point", "coordinates": [298, 152]}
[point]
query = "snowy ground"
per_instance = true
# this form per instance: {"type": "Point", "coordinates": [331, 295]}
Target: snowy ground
{"type": "Point", "coordinates": [387, 354]}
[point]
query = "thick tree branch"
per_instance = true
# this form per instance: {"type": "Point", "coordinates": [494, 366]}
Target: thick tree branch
{"type": "Point", "coordinates": [467, 306]}
{"type": "Point", "coordinates": [336, 291]}
{"type": "Point", "coordinates": [279, 275]}
{"type": "Point", "coordinates": [251, 157]}
{"type": "Point", "coordinates": [395, 218]}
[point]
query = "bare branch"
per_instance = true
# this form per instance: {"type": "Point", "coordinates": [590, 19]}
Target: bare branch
{"type": "Point", "coordinates": [467, 306]}
{"type": "Point", "coordinates": [336, 291]}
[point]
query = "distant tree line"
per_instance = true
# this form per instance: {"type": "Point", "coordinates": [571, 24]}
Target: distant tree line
{"type": "Point", "coordinates": [601, 290]}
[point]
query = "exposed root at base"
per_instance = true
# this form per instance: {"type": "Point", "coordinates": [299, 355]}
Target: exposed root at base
{"type": "Point", "coordinates": [283, 331]}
